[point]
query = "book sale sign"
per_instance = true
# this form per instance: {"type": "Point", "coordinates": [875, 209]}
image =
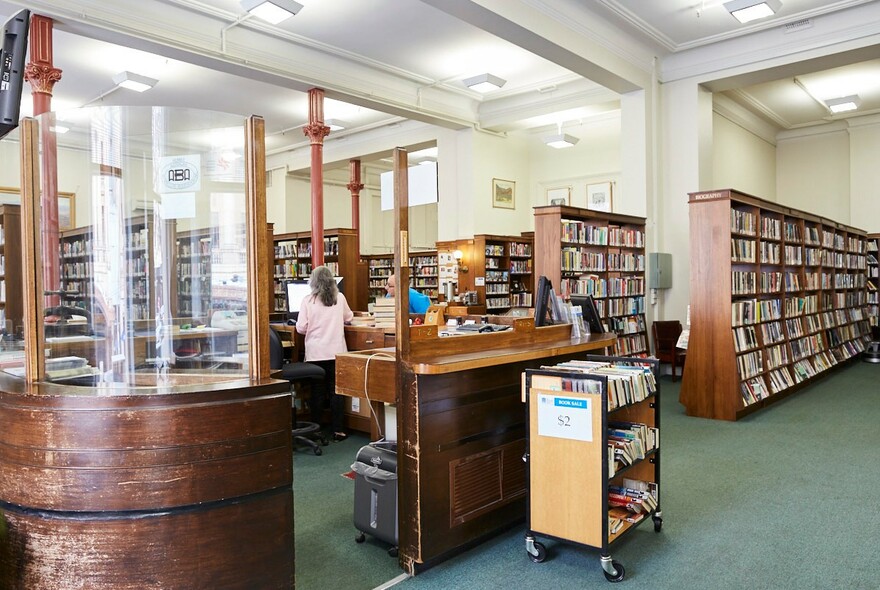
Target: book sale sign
{"type": "Point", "coordinates": [565, 417]}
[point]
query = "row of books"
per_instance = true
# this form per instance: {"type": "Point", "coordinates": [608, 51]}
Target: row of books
{"type": "Point", "coordinates": [634, 495]}
{"type": "Point", "coordinates": [629, 442]}
{"type": "Point", "coordinates": [628, 383]}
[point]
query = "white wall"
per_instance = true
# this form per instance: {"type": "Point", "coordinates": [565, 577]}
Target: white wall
{"type": "Point", "coordinates": [595, 158]}
{"type": "Point", "coordinates": [865, 173]}
{"type": "Point", "coordinates": [742, 160]}
{"type": "Point", "coordinates": [814, 171]}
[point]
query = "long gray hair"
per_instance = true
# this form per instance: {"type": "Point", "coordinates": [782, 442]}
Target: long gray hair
{"type": "Point", "coordinates": [323, 286]}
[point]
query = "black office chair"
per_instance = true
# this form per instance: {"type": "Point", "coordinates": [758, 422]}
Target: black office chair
{"type": "Point", "coordinates": [306, 433]}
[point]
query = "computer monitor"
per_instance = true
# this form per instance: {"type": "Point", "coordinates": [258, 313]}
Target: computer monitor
{"type": "Point", "coordinates": [297, 291]}
{"type": "Point", "coordinates": [590, 312]}
{"type": "Point", "coordinates": [339, 284]}
{"type": "Point", "coordinates": [542, 302]}
{"type": "Point", "coordinates": [13, 51]}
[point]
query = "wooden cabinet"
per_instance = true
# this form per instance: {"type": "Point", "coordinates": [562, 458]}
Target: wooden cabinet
{"type": "Point", "coordinates": [499, 270]}
{"type": "Point", "coordinates": [778, 296]}
{"type": "Point", "coordinates": [873, 269]}
{"type": "Point", "coordinates": [293, 260]}
{"type": "Point", "coordinates": [586, 252]}
{"type": "Point", "coordinates": [11, 286]}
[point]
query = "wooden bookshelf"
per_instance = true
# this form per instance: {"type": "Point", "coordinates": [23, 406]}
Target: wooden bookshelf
{"type": "Point", "coordinates": [424, 275]}
{"type": "Point", "coordinates": [76, 267]}
{"type": "Point", "coordinates": [873, 271]}
{"type": "Point", "coordinates": [586, 252]}
{"type": "Point", "coordinates": [293, 260]}
{"type": "Point", "coordinates": [11, 286]}
{"type": "Point", "coordinates": [193, 253]}
{"type": "Point", "coordinates": [787, 302]}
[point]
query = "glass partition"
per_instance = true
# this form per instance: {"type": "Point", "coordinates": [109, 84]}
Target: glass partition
{"type": "Point", "coordinates": [144, 267]}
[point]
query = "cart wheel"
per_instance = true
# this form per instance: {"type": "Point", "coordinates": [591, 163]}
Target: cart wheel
{"type": "Point", "coordinates": [360, 538]}
{"type": "Point", "coordinates": [324, 441]}
{"type": "Point", "coordinates": [318, 451]}
{"type": "Point", "coordinates": [542, 553]}
{"type": "Point", "coordinates": [392, 552]}
{"type": "Point", "coordinates": [658, 524]}
{"type": "Point", "coordinates": [620, 573]}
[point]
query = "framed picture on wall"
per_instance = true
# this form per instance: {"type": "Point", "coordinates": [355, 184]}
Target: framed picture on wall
{"type": "Point", "coordinates": [66, 212]}
{"type": "Point", "coordinates": [599, 197]}
{"type": "Point", "coordinates": [503, 193]}
{"type": "Point", "coordinates": [66, 208]}
{"type": "Point", "coordinates": [560, 195]}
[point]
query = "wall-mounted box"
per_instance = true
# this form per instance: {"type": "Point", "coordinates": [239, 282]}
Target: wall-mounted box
{"type": "Point", "coordinates": [659, 270]}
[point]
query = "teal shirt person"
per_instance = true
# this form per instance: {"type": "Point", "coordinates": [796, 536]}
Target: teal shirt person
{"type": "Point", "coordinates": [418, 302]}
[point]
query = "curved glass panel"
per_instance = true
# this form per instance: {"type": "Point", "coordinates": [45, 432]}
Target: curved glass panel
{"type": "Point", "coordinates": [145, 277]}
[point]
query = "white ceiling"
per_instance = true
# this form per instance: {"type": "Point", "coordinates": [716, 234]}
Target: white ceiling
{"type": "Point", "coordinates": [390, 59]}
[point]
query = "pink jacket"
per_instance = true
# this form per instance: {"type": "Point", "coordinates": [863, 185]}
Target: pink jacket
{"type": "Point", "coordinates": [323, 327]}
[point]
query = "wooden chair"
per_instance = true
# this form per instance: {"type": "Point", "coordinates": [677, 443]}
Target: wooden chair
{"type": "Point", "coordinates": [666, 335]}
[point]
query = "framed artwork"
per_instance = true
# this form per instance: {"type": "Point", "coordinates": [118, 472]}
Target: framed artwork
{"type": "Point", "coordinates": [559, 195]}
{"type": "Point", "coordinates": [66, 205]}
{"type": "Point", "coordinates": [66, 211]}
{"type": "Point", "coordinates": [503, 193]}
{"type": "Point", "coordinates": [599, 197]}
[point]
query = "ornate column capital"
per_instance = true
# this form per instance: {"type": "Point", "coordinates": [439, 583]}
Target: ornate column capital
{"type": "Point", "coordinates": [316, 132]}
{"type": "Point", "coordinates": [42, 77]}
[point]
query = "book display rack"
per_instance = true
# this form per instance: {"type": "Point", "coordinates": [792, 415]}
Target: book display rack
{"type": "Point", "coordinates": [787, 302]}
{"type": "Point", "coordinates": [592, 453]}
{"type": "Point", "coordinates": [586, 252]}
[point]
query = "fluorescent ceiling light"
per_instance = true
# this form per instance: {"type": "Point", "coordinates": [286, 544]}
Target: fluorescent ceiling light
{"type": "Point", "coordinates": [134, 81]}
{"type": "Point", "coordinates": [336, 124]}
{"type": "Point", "coordinates": [484, 82]}
{"type": "Point", "coordinates": [272, 11]}
{"type": "Point", "coordinates": [843, 104]}
{"type": "Point", "coordinates": [749, 10]}
{"type": "Point", "coordinates": [561, 140]}
{"type": "Point", "coordinates": [59, 129]}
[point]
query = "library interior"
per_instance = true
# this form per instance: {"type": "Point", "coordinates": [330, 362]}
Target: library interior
{"type": "Point", "coordinates": [315, 246]}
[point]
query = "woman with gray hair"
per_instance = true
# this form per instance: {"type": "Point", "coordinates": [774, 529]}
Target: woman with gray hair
{"type": "Point", "coordinates": [322, 317]}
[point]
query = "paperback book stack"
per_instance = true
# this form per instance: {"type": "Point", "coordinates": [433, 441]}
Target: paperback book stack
{"type": "Point", "coordinates": [383, 312]}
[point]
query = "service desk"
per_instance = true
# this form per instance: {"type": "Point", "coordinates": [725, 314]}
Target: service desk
{"type": "Point", "coordinates": [461, 428]}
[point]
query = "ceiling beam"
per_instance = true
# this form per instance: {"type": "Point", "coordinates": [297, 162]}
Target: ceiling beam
{"type": "Point", "coordinates": [549, 36]}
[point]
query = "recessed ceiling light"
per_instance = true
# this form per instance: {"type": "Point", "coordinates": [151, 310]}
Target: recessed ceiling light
{"type": "Point", "coordinates": [272, 11]}
{"type": "Point", "coordinates": [336, 124]}
{"type": "Point", "coordinates": [484, 82]}
{"type": "Point", "coordinates": [134, 81]}
{"type": "Point", "coordinates": [561, 140]}
{"type": "Point", "coordinates": [843, 103]}
{"type": "Point", "coordinates": [748, 10]}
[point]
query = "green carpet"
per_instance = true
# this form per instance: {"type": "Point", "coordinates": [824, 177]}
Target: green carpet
{"type": "Point", "coordinates": [784, 499]}
{"type": "Point", "coordinates": [327, 556]}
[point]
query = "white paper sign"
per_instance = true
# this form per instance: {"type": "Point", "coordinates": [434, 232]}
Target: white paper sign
{"type": "Point", "coordinates": [479, 281]}
{"type": "Point", "coordinates": [565, 417]}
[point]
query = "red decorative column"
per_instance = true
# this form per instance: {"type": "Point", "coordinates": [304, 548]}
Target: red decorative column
{"type": "Point", "coordinates": [42, 76]}
{"type": "Point", "coordinates": [355, 185]}
{"type": "Point", "coordinates": [316, 131]}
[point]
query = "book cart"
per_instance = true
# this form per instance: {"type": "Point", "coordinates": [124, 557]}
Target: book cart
{"type": "Point", "coordinates": [591, 431]}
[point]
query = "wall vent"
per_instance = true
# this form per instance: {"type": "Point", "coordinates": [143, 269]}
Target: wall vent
{"type": "Point", "coordinates": [798, 25]}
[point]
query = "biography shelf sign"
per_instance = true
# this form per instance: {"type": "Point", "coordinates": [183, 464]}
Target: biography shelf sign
{"type": "Point", "coordinates": [565, 417]}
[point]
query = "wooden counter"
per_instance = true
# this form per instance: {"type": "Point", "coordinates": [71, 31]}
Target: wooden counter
{"type": "Point", "coordinates": [461, 426]}
{"type": "Point", "coordinates": [168, 483]}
